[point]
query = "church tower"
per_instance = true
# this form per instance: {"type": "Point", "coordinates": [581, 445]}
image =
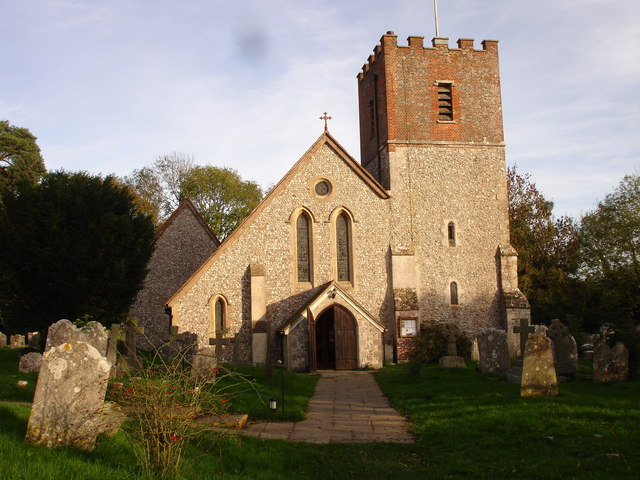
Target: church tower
{"type": "Point", "coordinates": [431, 133]}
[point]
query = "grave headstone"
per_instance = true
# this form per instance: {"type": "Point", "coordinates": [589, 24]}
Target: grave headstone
{"type": "Point", "coordinates": [3, 340]}
{"type": "Point", "coordinates": [204, 363]}
{"type": "Point", "coordinates": [494, 351]}
{"type": "Point", "coordinates": [30, 363]}
{"type": "Point", "coordinates": [451, 359]}
{"type": "Point", "coordinates": [178, 347]}
{"type": "Point", "coordinates": [475, 352]}
{"type": "Point", "coordinates": [69, 396]}
{"type": "Point", "coordinates": [33, 339]}
{"type": "Point", "coordinates": [63, 331]}
{"type": "Point", "coordinates": [538, 373]}
{"type": "Point", "coordinates": [565, 349]}
{"type": "Point", "coordinates": [610, 364]}
{"type": "Point", "coordinates": [16, 340]}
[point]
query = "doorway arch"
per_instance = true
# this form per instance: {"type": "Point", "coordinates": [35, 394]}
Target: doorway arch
{"type": "Point", "coordinates": [336, 339]}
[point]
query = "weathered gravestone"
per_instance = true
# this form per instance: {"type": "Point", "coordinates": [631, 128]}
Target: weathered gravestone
{"type": "Point", "coordinates": [451, 359]}
{"type": "Point", "coordinates": [565, 349]}
{"type": "Point", "coordinates": [494, 351]}
{"type": "Point", "coordinates": [69, 397]}
{"type": "Point", "coordinates": [610, 364]}
{"type": "Point", "coordinates": [3, 340]}
{"type": "Point", "coordinates": [16, 340]}
{"type": "Point", "coordinates": [179, 348]}
{"type": "Point", "coordinates": [33, 340]}
{"type": "Point", "coordinates": [523, 329]}
{"type": "Point", "coordinates": [130, 359]}
{"type": "Point", "coordinates": [475, 352]}
{"type": "Point", "coordinates": [538, 373]}
{"type": "Point", "coordinates": [30, 363]}
{"type": "Point", "coordinates": [63, 331]}
{"type": "Point", "coordinates": [204, 363]}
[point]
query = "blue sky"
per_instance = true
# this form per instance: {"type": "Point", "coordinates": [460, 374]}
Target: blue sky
{"type": "Point", "coordinates": [107, 86]}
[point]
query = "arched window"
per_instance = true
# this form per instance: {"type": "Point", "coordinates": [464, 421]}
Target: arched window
{"type": "Point", "coordinates": [453, 293]}
{"type": "Point", "coordinates": [343, 248]}
{"type": "Point", "coordinates": [451, 233]}
{"type": "Point", "coordinates": [303, 247]}
{"type": "Point", "coordinates": [217, 317]}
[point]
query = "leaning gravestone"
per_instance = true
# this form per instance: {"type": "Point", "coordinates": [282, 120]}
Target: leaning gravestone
{"type": "Point", "coordinates": [3, 340]}
{"type": "Point", "coordinates": [30, 363]}
{"type": "Point", "coordinates": [610, 364]}
{"type": "Point", "coordinates": [63, 331]}
{"type": "Point", "coordinates": [69, 397]}
{"type": "Point", "coordinates": [16, 340]}
{"type": "Point", "coordinates": [494, 351]}
{"type": "Point", "coordinates": [565, 349]}
{"type": "Point", "coordinates": [451, 359]}
{"type": "Point", "coordinates": [538, 373]}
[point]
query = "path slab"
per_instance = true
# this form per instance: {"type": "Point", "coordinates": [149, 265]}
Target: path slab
{"type": "Point", "coordinates": [346, 407]}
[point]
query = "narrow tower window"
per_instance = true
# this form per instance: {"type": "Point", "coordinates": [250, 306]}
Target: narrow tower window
{"type": "Point", "coordinates": [343, 248]}
{"type": "Point", "coordinates": [451, 232]}
{"type": "Point", "coordinates": [303, 248]}
{"type": "Point", "coordinates": [217, 320]}
{"type": "Point", "coordinates": [445, 102]}
{"type": "Point", "coordinates": [219, 317]}
{"type": "Point", "coordinates": [453, 291]}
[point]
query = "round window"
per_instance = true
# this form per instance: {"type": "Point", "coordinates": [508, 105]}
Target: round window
{"type": "Point", "coordinates": [323, 188]}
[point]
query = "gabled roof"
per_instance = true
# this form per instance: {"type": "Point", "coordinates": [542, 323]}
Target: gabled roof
{"type": "Point", "coordinates": [334, 290]}
{"type": "Point", "coordinates": [188, 205]}
{"type": "Point", "coordinates": [324, 139]}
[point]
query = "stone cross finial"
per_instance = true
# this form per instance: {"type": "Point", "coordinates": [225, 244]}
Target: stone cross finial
{"type": "Point", "coordinates": [325, 118]}
{"type": "Point", "coordinates": [451, 333]}
{"type": "Point", "coordinates": [524, 329]}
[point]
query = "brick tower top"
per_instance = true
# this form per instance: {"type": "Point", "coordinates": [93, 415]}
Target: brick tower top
{"type": "Point", "coordinates": [429, 95]}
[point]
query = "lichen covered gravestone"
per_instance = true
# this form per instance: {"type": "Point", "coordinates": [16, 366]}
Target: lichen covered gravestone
{"type": "Point", "coordinates": [610, 364]}
{"type": "Point", "coordinates": [63, 331]}
{"type": "Point", "coordinates": [69, 397]}
{"type": "Point", "coordinates": [494, 351]}
{"type": "Point", "coordinates": [16, 340]}
{"type": "Point", "coordinates": [538, 372]}
{"type": "Point", "coordinates": [3, 340]}
{"type": "Point", "coordinates": [30, 363]}
{"type": "Point", "coordinates": [565, 349]}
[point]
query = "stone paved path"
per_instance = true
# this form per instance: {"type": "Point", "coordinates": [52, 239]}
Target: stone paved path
{"type": "Point", "coordinates": [345, 407]}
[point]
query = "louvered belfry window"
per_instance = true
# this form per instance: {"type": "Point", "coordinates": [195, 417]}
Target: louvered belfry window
{"type": "Point", "coordinates": [343, 250]}
{"type": "Point", "coordinates": [303, 248]}
{"type": "Point", "coordinates": [445, 102]}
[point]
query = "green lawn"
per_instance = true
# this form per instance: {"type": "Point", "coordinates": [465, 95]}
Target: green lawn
{"type": "Point", "coordinates": [466, 426]}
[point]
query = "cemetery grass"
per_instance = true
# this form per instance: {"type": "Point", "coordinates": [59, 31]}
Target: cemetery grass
{"type": "Point", "coordinates": [466, 426]}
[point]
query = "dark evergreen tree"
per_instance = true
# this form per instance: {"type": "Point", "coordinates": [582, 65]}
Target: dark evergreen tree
{"type": "Point", "coordinates": [74, 246]}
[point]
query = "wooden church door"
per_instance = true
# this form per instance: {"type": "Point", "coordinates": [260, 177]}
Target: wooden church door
{"type": "Point", "coordinates": [335, 340]}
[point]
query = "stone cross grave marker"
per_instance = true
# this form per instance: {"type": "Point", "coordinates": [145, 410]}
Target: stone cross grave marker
{"type": "Point", "coordinates": [178, 347]}
{"type": "Point", "coordinates": [565, 349]}
{"type": "Point", "coordinates": [130, 331]}
{"type": "Point", "coordinates": [69, 396]}
{"type": "Point", "coordinates": [451, 359]}
{"type": "Point", "coordinates": [524, 329]}
{"type": "Point", "coordinates": [538, 372]}
{"type": "Point", "coordinates": [219, 342]}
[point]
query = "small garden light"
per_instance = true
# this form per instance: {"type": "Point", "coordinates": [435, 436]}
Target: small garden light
{"type": "Point", "coordinates": [272, 404]}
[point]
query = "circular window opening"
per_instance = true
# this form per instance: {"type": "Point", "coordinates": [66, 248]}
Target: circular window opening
{"type": "Point", "coordinates": [323, 188]}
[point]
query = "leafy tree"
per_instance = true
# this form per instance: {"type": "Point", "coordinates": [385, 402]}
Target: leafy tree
{"type": "Point", "coordinates": [21, 164]}
{"type": "Point", "coordinates": [610, 236]}
{"type": "Point", "coordinates": [74, 245]}
{"type": "Point", "coordinates": [547, 250]}
{"type": "Point", "coordinates": [159, 185]}
{"type": "Point", "coordinates": [221, 196]}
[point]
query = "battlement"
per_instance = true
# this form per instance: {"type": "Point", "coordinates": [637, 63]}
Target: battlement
{"type": "Point", "coordinates": [389, 41]}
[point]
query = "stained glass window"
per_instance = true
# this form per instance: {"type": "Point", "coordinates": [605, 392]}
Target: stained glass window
{"type": "Point", "coordinates": [303, 246]}
{"type": "Point", "coordinates": [343, 249]}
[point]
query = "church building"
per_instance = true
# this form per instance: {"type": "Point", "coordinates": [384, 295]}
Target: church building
{"type": "Point", "coordinates": [342, 261]}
